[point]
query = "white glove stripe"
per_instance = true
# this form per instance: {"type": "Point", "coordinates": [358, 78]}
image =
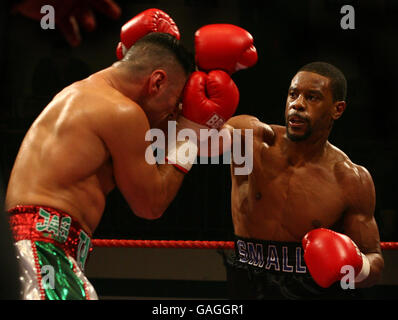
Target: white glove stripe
{"type": "Point", "coordinates": [365, 269]}
{"type": "Point", "coordinates": [124, 49]}
{"type": "Point", "coordinates": [175, 157]}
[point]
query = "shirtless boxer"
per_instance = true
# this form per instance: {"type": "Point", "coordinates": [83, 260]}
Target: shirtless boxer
{"type": "Point", "coordinates": [300, 183]}
{"type": "Point", "coordinates": [92, 138]}
{"type": "Point", "coordinates": [89, 139]}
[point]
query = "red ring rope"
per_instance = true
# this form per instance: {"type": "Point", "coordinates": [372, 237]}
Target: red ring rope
{"type": "Point", "coordinates": [187, 244]}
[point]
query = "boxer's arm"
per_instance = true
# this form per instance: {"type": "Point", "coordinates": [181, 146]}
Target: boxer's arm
{"type": "Point", "coordinates": [148, 188]}
{"type": "Point", "coordinates": [260, 129]}
{"type": "Point", "coordinates": [262, 133]}
{"type": "Point", "coordinates": [360, 224]}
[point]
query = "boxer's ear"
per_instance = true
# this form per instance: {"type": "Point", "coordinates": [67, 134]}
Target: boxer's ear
{"type": "Point", "coordinates": [157, 81]}
{"type": "Point", "coordinates": [338, 109]}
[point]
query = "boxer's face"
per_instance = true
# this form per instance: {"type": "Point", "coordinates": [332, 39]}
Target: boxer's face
{"type": "Point", "coordinates": [308, 106]}
{"type": "Point", "coordinates": [163, 103]}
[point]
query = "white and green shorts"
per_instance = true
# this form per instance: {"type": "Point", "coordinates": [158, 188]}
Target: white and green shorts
{"type": "Point", "coordinates": [52, 250]}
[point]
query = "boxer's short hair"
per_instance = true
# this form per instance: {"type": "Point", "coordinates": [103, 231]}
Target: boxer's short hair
{"type": "Point", "coordinates": [338, 81]}
{"type": "Point", "coordinates": [158, 46]}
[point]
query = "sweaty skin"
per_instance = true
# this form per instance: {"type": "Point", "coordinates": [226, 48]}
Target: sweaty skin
{"type": "Point", "coordinates": [89, 139]}
{"type": "Point", "coordinates": [297, 186]}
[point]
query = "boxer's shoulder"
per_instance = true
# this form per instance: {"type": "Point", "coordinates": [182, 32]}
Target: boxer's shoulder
{"type": "Point", "coordinates": [278, 130]}
{"type": "Point", "coordinates": [121, 121]}
{"type": "Point", "coordinates": [243, 121]}
{"type": "Point", "coordinates": [342, 165]}
{"type": "Point", "coordinates": [261, 130]}
{"type": "Point", "coordinates": [350, 175]}
{"type": "Point", "coordinates": [98, 91]}
{"type": "Point", "coordinates": [102, 103]}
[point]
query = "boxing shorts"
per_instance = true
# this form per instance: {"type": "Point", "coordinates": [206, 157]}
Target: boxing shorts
{"type": "Point", "coordinates": [52, 250]}
{"type": "Point", "coordinates": [273, 270]}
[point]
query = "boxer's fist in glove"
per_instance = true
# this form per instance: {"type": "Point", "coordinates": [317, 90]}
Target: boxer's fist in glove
{"type": "Point", "coordinates": [326, 252]}
{"type": "Point", "coordinates": [210, 99]}
{"type": "Point", "coordinates": [224, 46]}
{"type": "Point", "coordinates": [151, 20]}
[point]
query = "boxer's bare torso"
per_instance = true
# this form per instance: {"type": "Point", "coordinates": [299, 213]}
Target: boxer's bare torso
{"type": "Point", "coordinates": [62, 162]}
{"type": "Point", "coordinates": [299, 180]}
{"type": "Point", "coordinates": [287, 194]}
{"type": "Point", "coordinates": [87, 140]}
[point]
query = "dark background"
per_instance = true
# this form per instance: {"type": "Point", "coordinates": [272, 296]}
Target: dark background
{"type": "Point", "coordinates": [36, 64]}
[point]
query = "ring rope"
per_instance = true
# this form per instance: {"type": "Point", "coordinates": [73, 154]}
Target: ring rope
{"type": "Point", "coordinates": [187, 244]}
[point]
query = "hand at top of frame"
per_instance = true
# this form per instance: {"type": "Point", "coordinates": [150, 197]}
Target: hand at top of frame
{"type": "Point", "coordinates": [70, 15]}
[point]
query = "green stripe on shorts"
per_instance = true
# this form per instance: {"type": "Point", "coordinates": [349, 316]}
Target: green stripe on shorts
{"type": "Point", "coordinates": [58, 278]}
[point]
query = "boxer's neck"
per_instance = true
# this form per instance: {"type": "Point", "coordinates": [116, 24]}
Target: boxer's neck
{"type": "Point", "coordinates": [122, 82]}
{"type": "Point", "coordinates": [310, 149]}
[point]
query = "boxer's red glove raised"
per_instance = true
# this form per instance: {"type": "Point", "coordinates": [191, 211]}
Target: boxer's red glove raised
{"type": "Point", "coordinates": [326, 252]}
{"type": "Point", "coordinates": [224, 46]}
{"type": "Point", "coordinates": [208, 101]}
{"type": "Point", "coordinates": [151, 20]}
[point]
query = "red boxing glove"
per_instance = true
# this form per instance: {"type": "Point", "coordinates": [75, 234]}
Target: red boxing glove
{"type": "Point", "coordinates": [326, 252]}
{"type": "Point", "coordinates": [210, 99]}
{"type": "Point", "coordinates": [224, 46]}
{"type": "Point", "coordinates": [151, 20]}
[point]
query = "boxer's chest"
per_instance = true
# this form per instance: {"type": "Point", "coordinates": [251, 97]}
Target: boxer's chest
{"type": "Point", "coordinates": [303, 196]}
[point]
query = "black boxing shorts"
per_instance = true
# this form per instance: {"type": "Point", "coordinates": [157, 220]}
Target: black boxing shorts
{"type": "Point", "coordinates": [273, 270]}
